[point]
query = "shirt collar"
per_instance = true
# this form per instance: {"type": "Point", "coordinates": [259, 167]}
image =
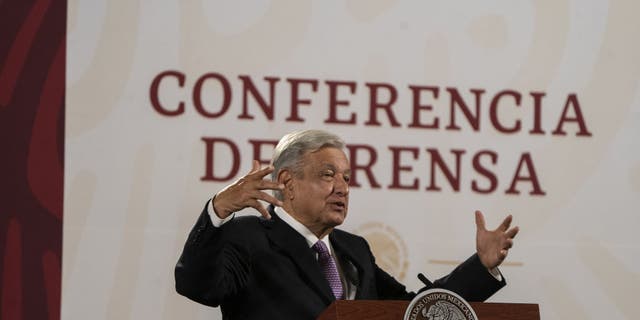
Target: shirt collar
{"type": "Point", "coordinates": [301, 229]}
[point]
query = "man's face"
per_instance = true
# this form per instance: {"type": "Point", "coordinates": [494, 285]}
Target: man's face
{"type": "Point", "coordinates": [321, 193]}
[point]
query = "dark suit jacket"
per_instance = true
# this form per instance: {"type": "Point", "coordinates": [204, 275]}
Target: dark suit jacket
{"type": "Point", "coordinates": [263, 269]}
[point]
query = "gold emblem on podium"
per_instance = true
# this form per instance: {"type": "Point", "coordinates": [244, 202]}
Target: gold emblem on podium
{"type": "Point", "coordinates": [439, 304]}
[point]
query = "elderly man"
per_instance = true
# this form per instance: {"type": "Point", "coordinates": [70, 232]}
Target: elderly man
{"type": "Point", "coordinates": [291, 262]}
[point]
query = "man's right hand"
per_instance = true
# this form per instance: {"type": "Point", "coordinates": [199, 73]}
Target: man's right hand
{"type": "Point", "coordinates": [246, 191]}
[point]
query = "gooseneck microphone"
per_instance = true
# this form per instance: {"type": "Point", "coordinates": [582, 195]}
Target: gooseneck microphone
{"type": "Point", "coordinates": [424, 280]}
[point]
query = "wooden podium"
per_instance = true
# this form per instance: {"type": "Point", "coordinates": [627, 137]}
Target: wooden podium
{"type": "Point", "coordinates": [394, 310]}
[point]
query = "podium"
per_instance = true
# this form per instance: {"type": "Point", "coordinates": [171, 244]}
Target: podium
{"type": "Point", "coordinates": [394, 310]}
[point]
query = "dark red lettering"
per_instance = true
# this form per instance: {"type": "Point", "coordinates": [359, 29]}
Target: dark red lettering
{"type": "Point", "coordinates": [436, 161]}
{"type": "Point", "coordinates": [296, 101]}
{"type": "Point", "coordinates": [537, 112]}
{"type": "Point", "coordinates": [366, 167]}
{"type": "Point", "coordinates": [153, 93]}
{"type": "Point", "coordinates": [456, 99]}
{"type": "Point", "coordinates": [210, 159]}
{"type": "Point", "coordinates": [257, 150]}
{"type": "Point", "coordinates": [334, 102]}
{"type": "Point", "coordinates": [226, 95]}
{"type": "Point", "coordinates": [493, 111]}
{"type": "Point", "coordinates": [482, 170]}
{"type": "Point", "coordinates": [375, 104]}
{"type": "Point", "coordinates": [396, 168]}
{"type": "Point", "coordinates": [572, 100]}
{"type": "Point", "coordinates": [249, 87]}
{"type": "Point", "coordinates": [418, 107]}
{"type": "Point", "coordinates": [525, 161]}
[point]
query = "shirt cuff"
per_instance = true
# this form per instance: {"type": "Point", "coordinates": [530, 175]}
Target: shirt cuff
{"type": "Point", "coordinates": [495, 272]}
{"type": "Point", "coordinates": [215, 220]}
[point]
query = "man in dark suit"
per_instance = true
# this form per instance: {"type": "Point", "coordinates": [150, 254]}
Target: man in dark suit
{"type": "Point", "coordinates": [291, 263]}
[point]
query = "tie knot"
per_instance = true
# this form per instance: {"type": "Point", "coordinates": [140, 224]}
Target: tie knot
{"type": "Point", "coordinates": [320, 247]}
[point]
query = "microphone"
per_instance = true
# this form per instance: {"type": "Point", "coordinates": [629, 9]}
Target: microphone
{"type": "Point", "coordinates": [424, 280]}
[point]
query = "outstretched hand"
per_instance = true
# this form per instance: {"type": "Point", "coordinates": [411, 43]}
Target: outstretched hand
{"type": "Point", "coordinates": [246, 191]}
{"type": "Point", "coordinates": [493, 246]}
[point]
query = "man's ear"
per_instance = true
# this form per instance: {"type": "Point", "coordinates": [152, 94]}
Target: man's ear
{"type": "Point", "coordinates": [286, 178]}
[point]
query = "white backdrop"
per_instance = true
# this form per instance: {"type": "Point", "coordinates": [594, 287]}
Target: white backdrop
{"type": "Point", "coordinates": [133, 185]}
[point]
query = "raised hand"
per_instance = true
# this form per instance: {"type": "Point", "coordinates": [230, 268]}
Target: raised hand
{"type": "Point", "coordinates": [493, 246]}
{"type": "Point", "coordinates": [246, 191]}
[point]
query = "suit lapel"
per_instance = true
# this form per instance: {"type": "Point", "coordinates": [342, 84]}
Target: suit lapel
{"type": "Point", "coordinates": [292, 244]}
{"type": "Point", "coordinates": [351, 262]}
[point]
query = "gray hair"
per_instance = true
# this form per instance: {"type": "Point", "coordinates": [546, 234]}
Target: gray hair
{"type": "Point", "coordinates": [293, 146]}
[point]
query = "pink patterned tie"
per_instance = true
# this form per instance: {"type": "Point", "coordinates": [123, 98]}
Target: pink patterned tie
{"type": "Point", "coordinates": [328, 266]}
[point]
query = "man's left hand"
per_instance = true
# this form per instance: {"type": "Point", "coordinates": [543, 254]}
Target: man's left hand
{"type": "Point", "coordinates": [493, 246]}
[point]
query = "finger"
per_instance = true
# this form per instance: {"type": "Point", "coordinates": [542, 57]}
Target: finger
{"type": "Point", "coordinates": [480, 224]}
{"type": "Point", "coordinates": [508, 244]}
{"type": "Point", "coordinates": [262, 172]}
{"type": "Point", "coordinates": [268, 198]}
{"type": "Point", "coordinates": [513, 232]}
{"type": "Point", "coordinates": [257, 169]}
{"type": "Point", "coordinates": [506, 223]}
{"type": "Point", "coordinates": [258, 206]}
{"type": "Point", "coordinates": [270, 185]}
{"type": "Point", "coordinates": [255, 166]}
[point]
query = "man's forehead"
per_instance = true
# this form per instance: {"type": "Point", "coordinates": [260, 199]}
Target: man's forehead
{"type": "Point", "coordinates": [323, 152]}
{"type": "Point", "coordinates": [332, 166]}
{"type": "Point", "coordinates": [322, 159]}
